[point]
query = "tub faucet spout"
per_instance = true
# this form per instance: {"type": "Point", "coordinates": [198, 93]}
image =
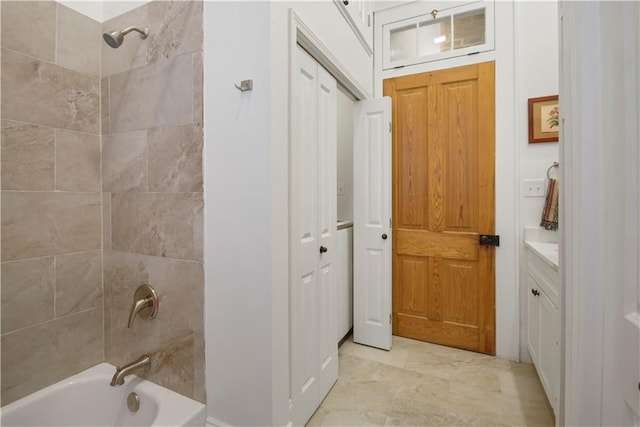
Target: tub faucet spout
{"type": "Point", "coordinates": [144, 363]}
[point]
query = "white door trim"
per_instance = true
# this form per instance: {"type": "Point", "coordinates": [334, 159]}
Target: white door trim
{"type": "Point", "coordinates": [580, 236]}
{"type": "Point", "coordinates": [300, 33]}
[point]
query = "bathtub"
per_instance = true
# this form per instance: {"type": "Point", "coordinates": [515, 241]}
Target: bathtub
{"type": "Point", "coordinates": [87, 399]}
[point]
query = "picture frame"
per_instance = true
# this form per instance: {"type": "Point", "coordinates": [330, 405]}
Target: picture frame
{"type": "Point", "coordinates": [543, 119]}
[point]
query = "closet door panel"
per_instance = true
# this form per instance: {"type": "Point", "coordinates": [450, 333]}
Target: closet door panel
{"type": "Point", "coordinates": [327, 168]}
{"type": "Point", "coordinates": [313, 220]}
{"type": "Point", "coordinates": [305, 240]}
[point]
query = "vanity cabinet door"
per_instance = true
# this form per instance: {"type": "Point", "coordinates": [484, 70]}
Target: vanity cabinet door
{"type": "Point", "coordinates": [549, 354]}
{"type": "Point", "coordinates": [533, 319]}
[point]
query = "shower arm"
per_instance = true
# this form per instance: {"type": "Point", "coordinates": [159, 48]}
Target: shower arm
{"type": "Point", "coordinates": [143, 33]}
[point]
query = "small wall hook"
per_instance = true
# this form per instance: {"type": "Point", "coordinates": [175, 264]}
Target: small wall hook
{"type": "Point", "coordinates": [245, 85]}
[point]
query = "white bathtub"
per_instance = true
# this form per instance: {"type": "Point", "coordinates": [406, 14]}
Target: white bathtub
{"type": "Point", "coordinates": [87, 399]}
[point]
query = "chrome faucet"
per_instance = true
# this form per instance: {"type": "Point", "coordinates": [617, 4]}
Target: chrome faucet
{"type": "Point", "coordinates": [143, 363]}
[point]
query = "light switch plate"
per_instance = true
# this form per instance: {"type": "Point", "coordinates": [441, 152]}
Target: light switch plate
{"type": "Point", "coordinates": [533, 188]}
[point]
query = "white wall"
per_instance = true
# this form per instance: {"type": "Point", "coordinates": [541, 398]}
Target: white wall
{"type": "Point", "coordinates": [113, 8]}
{"type": "Point", "coordinates": [345, 155]}
{"type": "Point", "coordinates": [102, 10]}
{"type": "Point", "coordinates": [536, 71]}
{"type": "Point", "coordinates": [238, 214]}
{"type": "Point", "coordinates": [246, 199]}
{"type": "Point", "coordinates": [600, 82]}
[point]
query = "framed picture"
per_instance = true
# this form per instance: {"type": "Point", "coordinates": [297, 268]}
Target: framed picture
{"type": "Point", "coordinates": [543, 119]}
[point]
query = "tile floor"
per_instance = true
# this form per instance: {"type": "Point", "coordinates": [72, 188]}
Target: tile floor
{"type": "Point", "coordinates": [422, 384]}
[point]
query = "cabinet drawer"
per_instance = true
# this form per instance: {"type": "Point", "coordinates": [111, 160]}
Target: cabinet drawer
{"type": "Point", "coordinates": [545, 276]}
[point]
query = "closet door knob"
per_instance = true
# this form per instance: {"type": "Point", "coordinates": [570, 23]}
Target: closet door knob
{"type": "Point", "coordinates": [323, 249]}
{"type": "Point", "coordinates": [346, 2]}
{"type": "Point", "coordinates": [384, 236]}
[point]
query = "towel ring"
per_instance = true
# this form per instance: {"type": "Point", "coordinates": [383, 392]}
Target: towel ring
{"type": "Point", "coordinates": [554, 165]}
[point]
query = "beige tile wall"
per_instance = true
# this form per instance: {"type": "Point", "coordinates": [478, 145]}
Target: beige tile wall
{"type": "Point", "coordinates": [51, 289]}
{"type": "Point", "coordinates": [101, 164]}
{"type": "Point", "coordinates": [152, 191]}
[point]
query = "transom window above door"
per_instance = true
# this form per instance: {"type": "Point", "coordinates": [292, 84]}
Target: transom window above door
{"type": "Point", "coordinates": [439, 34]}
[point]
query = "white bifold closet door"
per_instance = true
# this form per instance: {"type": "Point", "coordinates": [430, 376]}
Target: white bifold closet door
{"type": "Point", "coordinates": [372, 223]}
{"type": "Point", "coordinates": [314, 350]}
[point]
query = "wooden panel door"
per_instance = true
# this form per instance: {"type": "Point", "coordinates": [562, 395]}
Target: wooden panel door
{"type": "Point", "coordinates": [443, 199]}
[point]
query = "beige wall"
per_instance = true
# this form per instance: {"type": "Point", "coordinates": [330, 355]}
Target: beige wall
{"type": "Point", "coordinates": [51, 210]}
{"type": "Point", "coordinates": [78, 206]}
{"type": "Point", "coordinates": [152, 191]}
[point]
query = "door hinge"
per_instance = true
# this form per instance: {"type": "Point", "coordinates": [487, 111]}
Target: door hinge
{"type": "Point", "coordinates": [390, 314]}
{"type": "Point", "coordinates": [389, 222]}
{"type": "Point", "coordinates": [389, 127]}
{"type": "Point", "coordinates": [368, 20]}
{"type": "Point", "coordinates": [489, 240]}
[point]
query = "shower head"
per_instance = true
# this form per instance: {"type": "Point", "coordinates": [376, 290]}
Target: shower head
{"type": "Point", "coordinates": [115, 38]}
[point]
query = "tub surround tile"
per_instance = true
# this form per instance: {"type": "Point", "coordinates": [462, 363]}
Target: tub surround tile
{"type": "Point", "coordinates": [198, 226]}
{"type": "Point", "coordinates": [27, 293]}
{"type": "Point", "coordinates": [104, 105]}
{"type": "Point", "coordinates": [123, 273]}
{"type": "Point", "coordinates": [175, 159]}
{"type": "Point", "coordinates": [124, 162]}
{"type": "Point", "coordinates": [52, 303]}
{"type": "Point", "coordinates": [179, 285]}
{"type": "Point", "coordinates": [78, 282]}
{"type": "Point", "coordinates": [157, 95]}
{"type": "Point", "coordinates": [78, 41]}
{"type": "Point", "coordinates": [106, 221]}
{"type": "Point", "coordinates": [174, 32]}
{"type": "Point", "coordinates": [38, 92]}
{"type": "Point", "coordinates": [30, 27]}
{"type": "Point", "coordinates": [27, 156]}
{"type": "Point", "coordinates": [77, 161]}
{"type": "Point", "coordinates": [132, 53]}
{"type": "Point", "coordinates": [172, 364]}
{"type": "Point", "coordinates": [198, 87]}
{"type": "Point", "coordinates": [199, 377]}
{"type": "Point", "coordinates": [152, 183]}
{"type": "Point", "coordinates": [65, 346]}
{"type": "Point", "coordinates": [159, 224]}
{"type": "Point", "coordinates": [36, 224]}
{"type": "Point", "coordinates": [175, 338]}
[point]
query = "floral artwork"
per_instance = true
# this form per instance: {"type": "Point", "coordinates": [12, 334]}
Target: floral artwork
{"type": "Point", "coordinates": [544, 119]}
{"type": "Point", "coordinates": [550, 114]}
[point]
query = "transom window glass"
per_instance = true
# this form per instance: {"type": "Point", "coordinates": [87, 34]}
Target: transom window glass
{"type": "Point", "coordinates": [439, 35]}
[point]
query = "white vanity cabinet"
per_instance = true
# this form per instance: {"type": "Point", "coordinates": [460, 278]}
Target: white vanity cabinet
{"type": "Point", "coordinates": [543, 315]}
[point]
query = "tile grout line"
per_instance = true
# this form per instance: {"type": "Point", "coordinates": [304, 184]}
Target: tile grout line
{"type": "Point", "coordinates": [49, 321]}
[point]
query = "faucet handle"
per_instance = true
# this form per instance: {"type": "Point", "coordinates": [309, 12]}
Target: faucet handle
{"type": "Point", "coordinates": [145, 304]}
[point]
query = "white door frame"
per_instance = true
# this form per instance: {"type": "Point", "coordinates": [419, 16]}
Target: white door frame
{"type": "Point", "coordinates": [600, 249]}
{"type": "Point", "coordinates": [300, 33]}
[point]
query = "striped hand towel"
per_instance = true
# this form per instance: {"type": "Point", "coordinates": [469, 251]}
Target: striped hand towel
{"type": "Point", "coordinates": [550, 211]}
